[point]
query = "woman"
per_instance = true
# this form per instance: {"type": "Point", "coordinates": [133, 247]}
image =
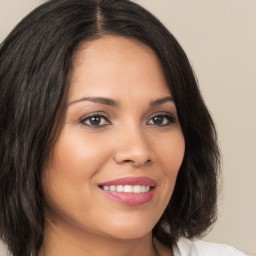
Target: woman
{"type": "Point", "coordinates": [107, 145]}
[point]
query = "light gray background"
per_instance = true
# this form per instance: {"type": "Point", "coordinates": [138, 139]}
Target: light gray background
{"type": "Point", "coordinates": [219, 37]}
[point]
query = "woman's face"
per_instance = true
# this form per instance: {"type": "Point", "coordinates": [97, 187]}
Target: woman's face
{"type": "Point", "coordinates": [115, 163]}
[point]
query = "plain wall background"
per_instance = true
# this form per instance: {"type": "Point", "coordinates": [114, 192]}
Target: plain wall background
{"type": "Point", "coordinates": [220, 39]}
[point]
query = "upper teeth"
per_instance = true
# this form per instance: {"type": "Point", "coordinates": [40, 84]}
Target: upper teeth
{"type": "Point", "coordinates": [128, 188]}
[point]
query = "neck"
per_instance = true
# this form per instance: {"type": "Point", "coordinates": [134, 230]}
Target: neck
{"type": "Point", "coordinates": [58, 241]}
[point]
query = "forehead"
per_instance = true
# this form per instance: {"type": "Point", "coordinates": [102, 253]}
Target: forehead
{"type": "Point", "coordinates": [113, 64]}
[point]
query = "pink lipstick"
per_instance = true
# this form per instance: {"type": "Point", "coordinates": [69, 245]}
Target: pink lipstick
{"type": "Point", "coordinates": [130, 190]}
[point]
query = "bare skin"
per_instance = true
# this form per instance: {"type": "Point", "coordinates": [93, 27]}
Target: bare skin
{"type": "Point", "coordinates": [145, 246]}
{"type": "Point", "coordinates": [121, 122]}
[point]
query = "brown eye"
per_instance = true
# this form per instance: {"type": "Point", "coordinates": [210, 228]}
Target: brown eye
{"type": "Point", "coordinates": [158, 120]}
{"type": "Point", "coordinates": [162, 120]}
{"type": "Point", "coordinates": [95, 121]}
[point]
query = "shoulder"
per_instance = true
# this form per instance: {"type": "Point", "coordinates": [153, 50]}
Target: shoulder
{"type": "Point", "coordinates": [186, 247]}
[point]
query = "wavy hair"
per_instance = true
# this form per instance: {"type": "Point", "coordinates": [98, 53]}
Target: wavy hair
{"type": "Point", "coordinates": [35, 64]}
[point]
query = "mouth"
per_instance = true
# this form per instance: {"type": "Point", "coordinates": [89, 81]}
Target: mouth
{"type": "Point", "coordinates": [131, 191]}
{"type": "Point", "coordinates": [127, 188]}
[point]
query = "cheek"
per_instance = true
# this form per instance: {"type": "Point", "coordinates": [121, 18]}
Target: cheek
{"type": "Point", "coordinates": [78, 155]}
{"type": "Point", "coordinates": [172, 153]}
{"type": "Point", "coordinates": [70, 177]}
{"type": "Point", "coordinates": [171, 157]}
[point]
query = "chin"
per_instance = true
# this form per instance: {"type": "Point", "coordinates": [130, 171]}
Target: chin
{"type": "Point", "coordinates": [127, 230]}
{"type": "Point", "coordinates": [128, 234]}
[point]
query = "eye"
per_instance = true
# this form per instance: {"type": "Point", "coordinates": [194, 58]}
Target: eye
{"type": "Point", "coordinates": [162, 119]}
{"type": "Point", "coordinates": [95, 120]}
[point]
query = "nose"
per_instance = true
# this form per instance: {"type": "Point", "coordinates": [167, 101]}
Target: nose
{"type": "Point", "coordinates": [133, 148]}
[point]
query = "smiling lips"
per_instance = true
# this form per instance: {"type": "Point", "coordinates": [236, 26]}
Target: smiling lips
{"type": "Point", "coordinates": [130, 190]}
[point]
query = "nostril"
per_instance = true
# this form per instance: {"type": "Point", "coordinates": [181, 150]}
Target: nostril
{"type": "Point", "coordinates": [136, 154]}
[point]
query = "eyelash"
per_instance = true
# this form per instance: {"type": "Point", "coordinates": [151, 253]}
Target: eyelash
{"type": "Point", "coordinates": [166, 117]}
{"type": "Point", "coordinates": [95, 115]}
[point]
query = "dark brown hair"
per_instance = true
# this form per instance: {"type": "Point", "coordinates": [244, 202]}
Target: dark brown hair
{"type": "Point", "coordinates": [35, 62]}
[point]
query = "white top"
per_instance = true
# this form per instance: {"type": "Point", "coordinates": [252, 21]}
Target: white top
{"type": "Point", "coordinates": [186, 247]}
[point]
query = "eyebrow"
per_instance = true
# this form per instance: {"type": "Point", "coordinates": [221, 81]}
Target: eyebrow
{"type": "Point", "coordinates": [101, 100]}
{"type": "Point", "coordinates": [161, 101]}
{"type": "Point", "coordinates": [114, 103]}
